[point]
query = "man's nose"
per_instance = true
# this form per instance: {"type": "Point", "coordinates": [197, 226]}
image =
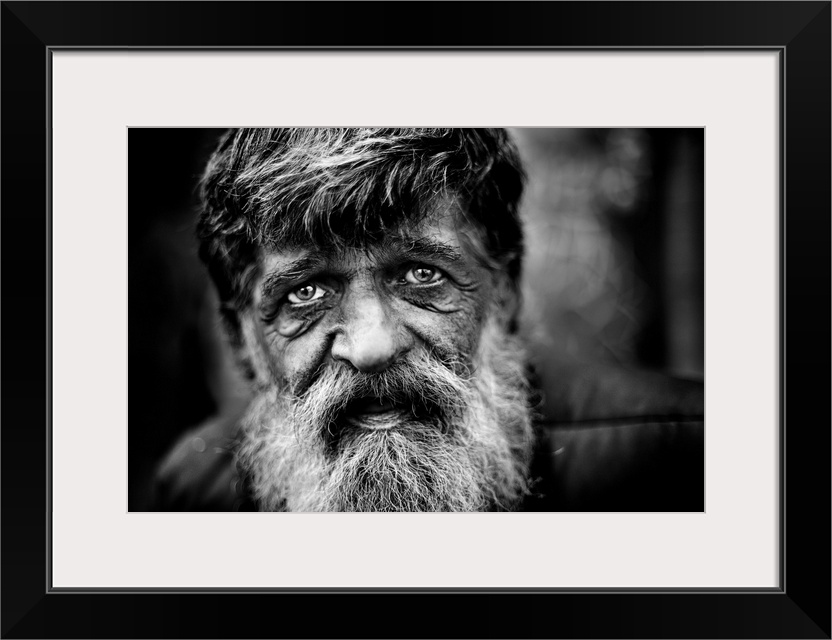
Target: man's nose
{"type": "Point", "coordinates": [370, 340]}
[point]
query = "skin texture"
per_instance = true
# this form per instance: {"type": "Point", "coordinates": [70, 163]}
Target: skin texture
{"type": "Point", "coordinates": [368, 308]}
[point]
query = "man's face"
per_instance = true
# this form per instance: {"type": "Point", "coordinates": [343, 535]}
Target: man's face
{"type": "Point", "coordinates": [376, 374]}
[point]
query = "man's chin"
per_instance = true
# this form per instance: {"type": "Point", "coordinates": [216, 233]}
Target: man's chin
{"type": "Point", "coordinates": [404, 466]}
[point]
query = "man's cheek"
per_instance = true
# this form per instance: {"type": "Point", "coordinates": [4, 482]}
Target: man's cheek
{"type": "Point", "coordinates": [268, 354]}
{"type": "Point", "coordinates": [464, 328]}
{"type": "Point", "coordinates": [448, 318]}
{"type": "Point", "coordinates": [296, 360]}
{"type": "Point", "coordinates": [451, 336]}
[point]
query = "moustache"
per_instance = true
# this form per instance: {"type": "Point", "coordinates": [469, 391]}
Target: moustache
{"type": "Point", "coordinates": [422, 388]}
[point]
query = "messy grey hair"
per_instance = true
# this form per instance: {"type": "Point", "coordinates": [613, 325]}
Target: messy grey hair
{"type": "Point", "coordinates": [273, 188]}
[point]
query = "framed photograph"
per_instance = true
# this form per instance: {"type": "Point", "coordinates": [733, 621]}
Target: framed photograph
{"type": "Point", "coordinates": [123, 498]}
{"type": "Point", "coordinates": [609, 280]}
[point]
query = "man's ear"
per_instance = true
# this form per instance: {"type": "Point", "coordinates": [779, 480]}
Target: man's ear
{"type": "Point", "coordinates": [234, 331]}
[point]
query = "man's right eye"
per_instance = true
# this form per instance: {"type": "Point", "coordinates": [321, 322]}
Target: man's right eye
{"type": "Point", "coordinates": [305, 293]}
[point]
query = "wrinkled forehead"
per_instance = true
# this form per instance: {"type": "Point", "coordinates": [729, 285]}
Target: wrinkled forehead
{"type": "Point", "coordinates": [442, 231]}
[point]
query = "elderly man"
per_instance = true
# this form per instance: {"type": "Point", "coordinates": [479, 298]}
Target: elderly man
{"type": "Point", "coordinates": [368, 281]}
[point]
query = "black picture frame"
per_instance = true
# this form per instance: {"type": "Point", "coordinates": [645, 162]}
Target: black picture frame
{"type": "Point", "coordinates": [799, 31]}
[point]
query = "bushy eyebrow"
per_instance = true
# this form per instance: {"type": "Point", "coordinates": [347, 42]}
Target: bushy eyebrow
{"type": "Point", "coordinates": [427, 249]}
{"type": "Point", "coordinates": [289, 273]}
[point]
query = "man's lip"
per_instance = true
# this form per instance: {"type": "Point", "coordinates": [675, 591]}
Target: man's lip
{"type": "Point", "coordinates": [375, 421]}
{"type": "Point", "coordinates": [373, 413]}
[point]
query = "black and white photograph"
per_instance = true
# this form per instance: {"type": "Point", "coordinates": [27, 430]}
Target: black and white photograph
{"type": "Point", "coordinates": [418, 320]}
{"type": "Point", "coordinates": [515, 312]}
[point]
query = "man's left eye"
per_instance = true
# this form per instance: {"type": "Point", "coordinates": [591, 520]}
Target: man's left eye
{"type": "Point", "coordinates": [422, 274]}
{"type": "Point", "coordinates": [305, 293]}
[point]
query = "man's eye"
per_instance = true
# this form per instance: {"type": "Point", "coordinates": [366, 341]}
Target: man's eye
{"type": "Point", "coordinates": [305, 293]}
{"type": "Point", "coordinates": [422, 274]}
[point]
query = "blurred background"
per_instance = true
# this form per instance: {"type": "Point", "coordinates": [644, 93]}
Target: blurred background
{"type": "Point", "coordinates": [613, 272]}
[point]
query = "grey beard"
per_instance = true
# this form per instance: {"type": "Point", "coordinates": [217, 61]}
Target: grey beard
{"type": "Point", "coordinates": [472, 455]}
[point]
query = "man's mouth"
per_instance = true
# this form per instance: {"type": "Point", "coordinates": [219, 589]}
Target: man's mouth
{"type": "Point", "coordinates": [375, 413]}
